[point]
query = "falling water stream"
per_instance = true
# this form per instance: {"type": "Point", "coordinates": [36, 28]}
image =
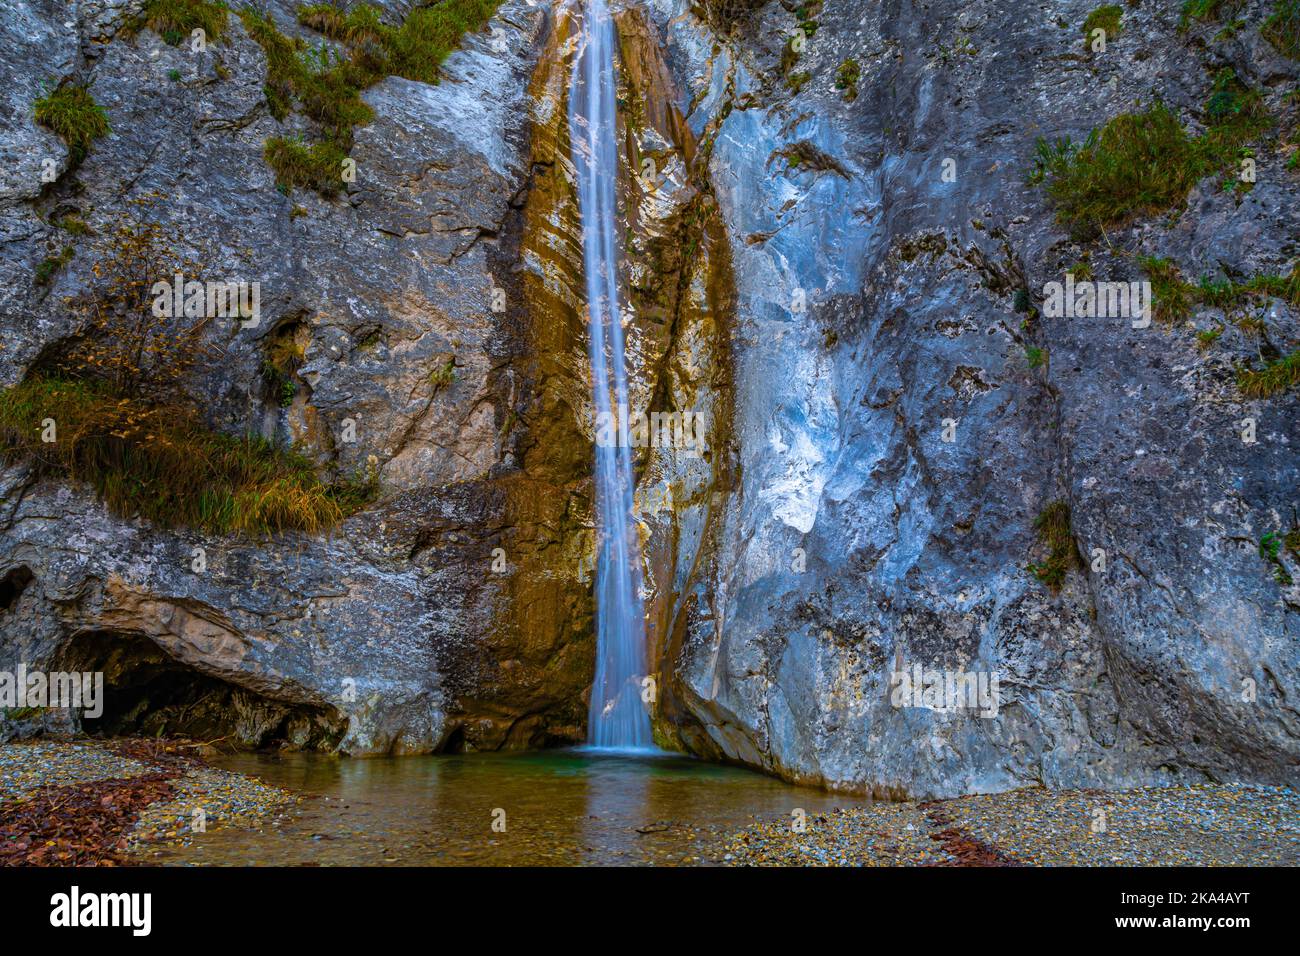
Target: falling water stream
{"type": "Point", "coordinates": [617, 718]}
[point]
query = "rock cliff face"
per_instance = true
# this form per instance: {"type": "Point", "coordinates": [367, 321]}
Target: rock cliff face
{"type": "Point", "coordinates": [845, 280]}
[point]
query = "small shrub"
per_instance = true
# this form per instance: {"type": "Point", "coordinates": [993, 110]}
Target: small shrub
{"type": "Point", "coordinates": [1036, 357]}
{"type": "Point", "coordinates": [72, 113]}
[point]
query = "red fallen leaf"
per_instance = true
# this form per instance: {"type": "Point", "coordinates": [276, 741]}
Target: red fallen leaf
{"type": "Point", "coordinates": [106, 801]}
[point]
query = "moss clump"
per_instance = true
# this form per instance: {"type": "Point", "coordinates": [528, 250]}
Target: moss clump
{"type": "Point", "coordinates": [72, 113]}
{"type": "Point", "coordinates": [1053, 527]}
{"type": "Point", "coordinates": [846, 79]}
{"type": "Point", "coordinates": [1108, 18]}
{"type": "Point", "coordinates": [1273, 379]}
{"type": "Point", "coordinates": [174, 20]}
{"type": "Point", "coordinates": [1282, 28]}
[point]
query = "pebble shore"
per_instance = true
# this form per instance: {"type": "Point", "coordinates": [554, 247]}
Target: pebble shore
{"type": "Point", "coordinates": [198, 797]}
{"type": "Point", "coordinates": [1209, 825]}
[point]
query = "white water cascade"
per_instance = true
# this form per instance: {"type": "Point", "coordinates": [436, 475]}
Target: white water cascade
{"type": "Point", "coordinates": [617, 718]}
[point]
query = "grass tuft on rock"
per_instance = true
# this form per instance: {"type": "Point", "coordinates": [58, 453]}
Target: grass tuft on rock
{"type": "Point", "coordinates": [847, 77]}
{"type": "Point", "coordinates": [1109, 18]}
{"type": "Point", "coordinates": [175, 20]}
{"type": "Point", "coordinates": [1174, 298]}
{"type": "Point", "coordinates": [1273, 379]}
{"type": "Point", "coordinates": [1053, 527]}
{"type": "Point", "coordinates": [1282, 28]}
{"type": "Point", "coordinates": [1144, 163]}
{"type": "Point", "coordinates": [326, 83]}
{"type": "Point", "coordinates": [161, 463]}
{"type": "Point", "coordinates": [1137, 163]}
{"type": "Point", "coordinates": [1206, 11]}
{"type": "Point", "coordinates": [316, 166]}
{"type": "Point", "coordinates": [72, 113]}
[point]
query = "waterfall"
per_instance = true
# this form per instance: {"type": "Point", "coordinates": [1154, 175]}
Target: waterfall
{"type": "Point", "coordinates": [617, 718]}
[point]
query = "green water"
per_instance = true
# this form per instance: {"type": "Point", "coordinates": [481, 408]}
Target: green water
{"type": "Point", "coordinates": [564, 807]}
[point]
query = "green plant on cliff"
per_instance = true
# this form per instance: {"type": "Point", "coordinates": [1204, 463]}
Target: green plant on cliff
{"type": "Point", "coordinates": [1206, 11]}
{"type": "Point", "coordinates": [72, 113]}
{"type": "Point", "coordinates": [108, 408]}
{"type": "Point", "coordinates": [326, 83]}
{"type": "Point", "coordinates": [1273, 379]}
{"type": "Point", "coordinates": [1282, 28]}
{"type": "Point", "coordinates": [1173, 298]}
{"type": "Point", "coordinates": [1053, 527]}
{"type": "Point", "coordinates": [1136, 163]}
{"type": "Point", "coordinates": [443, 376]}
{"type": "Point", "coordinates": [846, 79]}
{"type": "Point", "coordinates": [46, 268]}
{"type": "Point", "coordinates": [1143, 163]}
{"type": "Point", "coordinates": [1108, 18]}
{"type": "Point", "coordinates": [175, 20]}
{"type": "Point", "coordinates": [1270, 549]}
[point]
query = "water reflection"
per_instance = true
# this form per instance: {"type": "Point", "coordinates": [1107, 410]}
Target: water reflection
{"type": "Point", "coordinates": [562, 807]}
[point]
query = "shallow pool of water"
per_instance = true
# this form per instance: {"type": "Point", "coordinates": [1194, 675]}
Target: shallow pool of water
{"type": "Point", "coordinates": [561, 807]}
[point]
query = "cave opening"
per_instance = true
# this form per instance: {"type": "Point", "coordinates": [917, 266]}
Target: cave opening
{"type": "Point", "coordinates": [13, 584]}
{"type": "Point", "coordinates": [147, 692]}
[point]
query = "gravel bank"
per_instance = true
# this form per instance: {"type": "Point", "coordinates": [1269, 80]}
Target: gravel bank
{"type": "Point", "coordinates": [159, 793]}
{"type": "Point", "coordinates": [1167, 826]}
